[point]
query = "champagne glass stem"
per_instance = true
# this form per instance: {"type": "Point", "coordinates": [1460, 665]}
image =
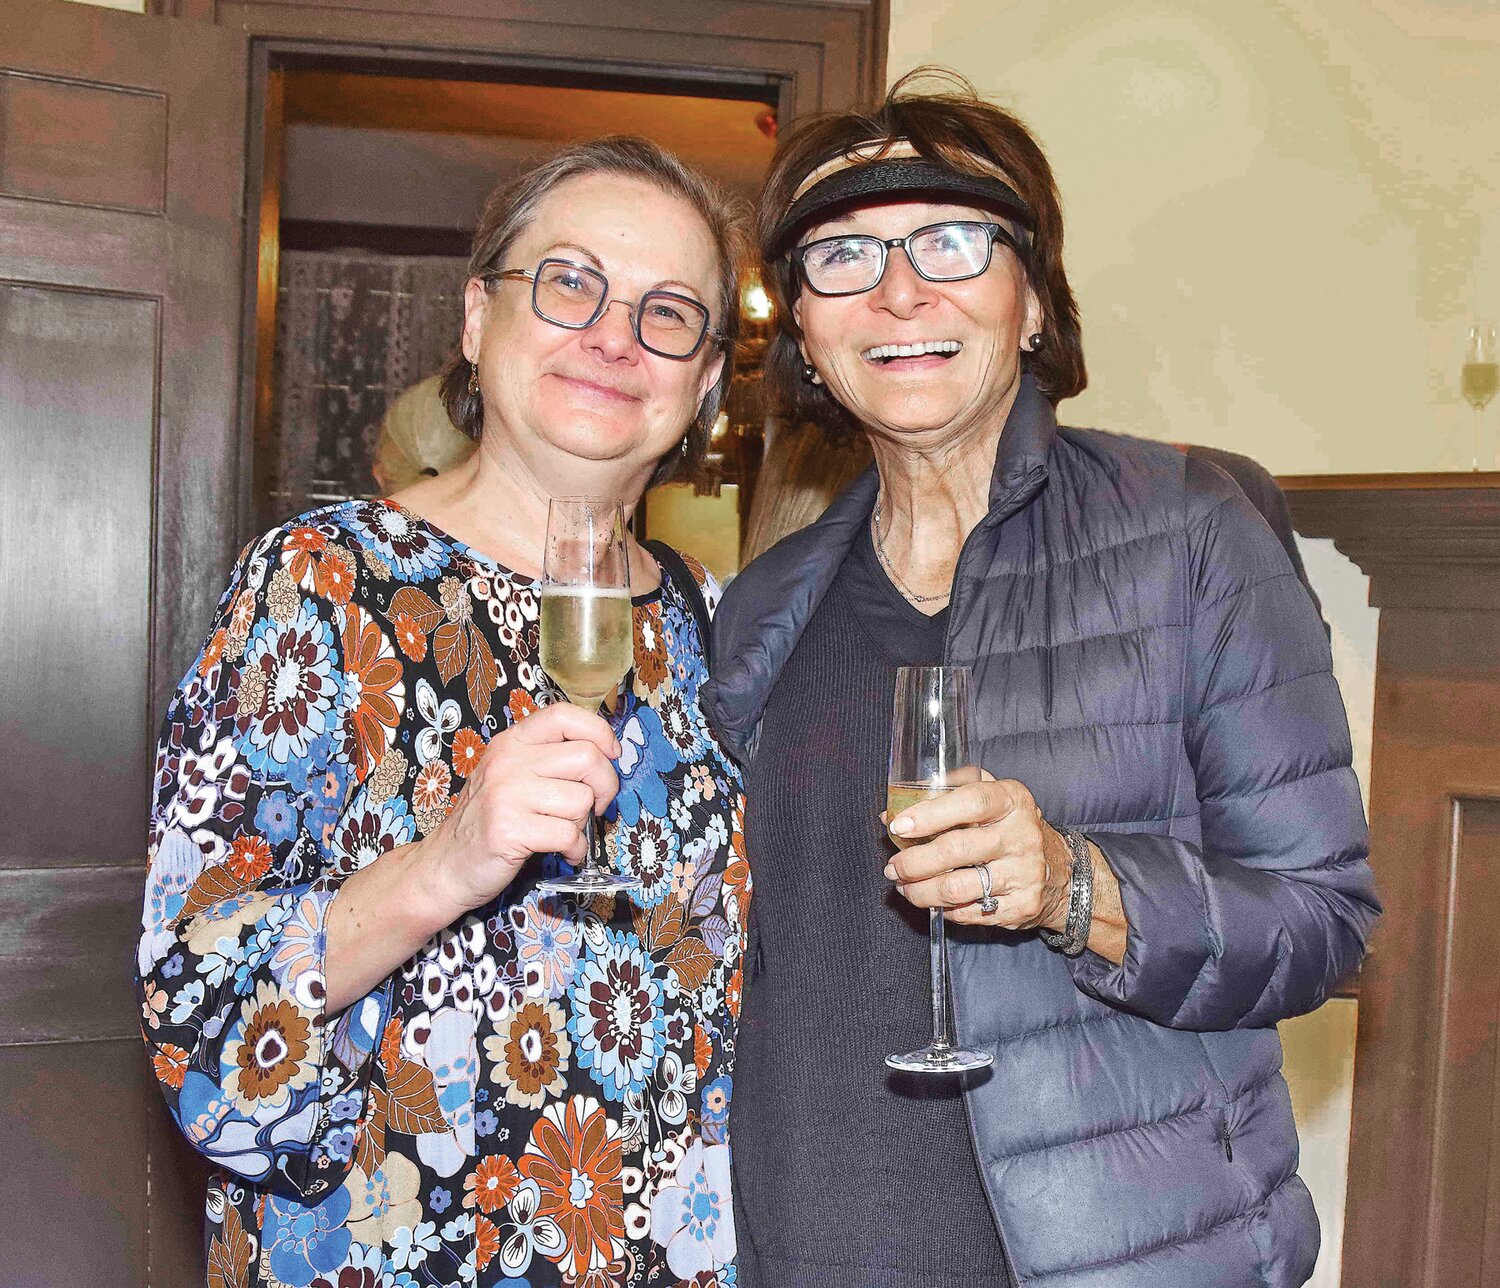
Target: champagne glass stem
{"type": "Point", "coordinates": [597, 860]}
{"type": "Point", "coordinates": [939, 951]}
{"type": "Point", "coordinates": [593, 861]}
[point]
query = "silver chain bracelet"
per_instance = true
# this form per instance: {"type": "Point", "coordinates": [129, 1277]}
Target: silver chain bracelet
{"type": "Point", "coordinates": [1075, 936]}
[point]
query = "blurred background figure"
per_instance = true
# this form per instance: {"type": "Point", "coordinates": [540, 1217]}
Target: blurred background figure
{"type": "Point", "coordinates": [417, 439]}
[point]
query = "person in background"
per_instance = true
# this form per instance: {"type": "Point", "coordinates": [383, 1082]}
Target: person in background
{"type": "Point", "coordinates": [802, 472]}
{"type": "Point", "coordinates": [1167, 853]}
{"type": "Point", "coordinates": [417, 438]}
{"type": "Point", "coordinates": [409, 1065]}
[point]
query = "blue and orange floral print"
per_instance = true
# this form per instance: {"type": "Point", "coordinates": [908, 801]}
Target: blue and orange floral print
{"type": "Point", "coordinates": [538, 1097]}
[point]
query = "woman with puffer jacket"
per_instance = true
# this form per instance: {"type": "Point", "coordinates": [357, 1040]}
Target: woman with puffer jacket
{"type": "Point", "coordinates": [1167, 853]}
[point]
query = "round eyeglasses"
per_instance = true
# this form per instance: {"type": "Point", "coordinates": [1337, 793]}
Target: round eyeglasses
{"type": "Point", "coordinates": [852, 263]}
{"type": "Point", "coordinates": [572, 296]}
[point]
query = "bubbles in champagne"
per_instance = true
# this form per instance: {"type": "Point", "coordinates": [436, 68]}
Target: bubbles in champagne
{"type": "Point", "coordinates": [587, 643]}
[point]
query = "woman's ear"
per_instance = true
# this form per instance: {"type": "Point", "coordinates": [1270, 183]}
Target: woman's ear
{"type": "Point", "coordinates": [1036, 319]}
{"type": "Point", "coordinates": [476, 297]}
{"type": "Point", "coordinates": [711, 374]}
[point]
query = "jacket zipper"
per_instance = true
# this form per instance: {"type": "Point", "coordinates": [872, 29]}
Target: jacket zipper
{"type": "Point", "coordinates": [990, 520]}
{"type": "Point", "coordinates": [1222, 1129]}
{"type": "Point", "coordinates": [984, 1182]}
{"type": "Point", "coordinates": [984, 1176]}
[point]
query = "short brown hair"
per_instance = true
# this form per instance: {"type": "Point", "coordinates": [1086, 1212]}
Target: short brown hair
{"type": "Point", "coordinates": [510, 210]}
{"type": "Point", "coordinates": [949, 127]}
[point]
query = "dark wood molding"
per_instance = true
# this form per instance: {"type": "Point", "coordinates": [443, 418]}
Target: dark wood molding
{"type": "Point", "coordinates": [1424, 540]}
{"type": "Point", "coordinates": [1423, 1203]}
{"type": "Point", "coordinates": [830, 54]}
{"type": "Point", "coordinates": [265, 172]}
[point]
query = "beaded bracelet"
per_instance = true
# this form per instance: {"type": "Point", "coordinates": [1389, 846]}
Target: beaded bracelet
{"type": "Point", "coordinates": [1075, 936]}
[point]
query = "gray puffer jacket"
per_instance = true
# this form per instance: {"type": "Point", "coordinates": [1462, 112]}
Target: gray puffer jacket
{"type": "Point", "coordinates": [1147, 663]}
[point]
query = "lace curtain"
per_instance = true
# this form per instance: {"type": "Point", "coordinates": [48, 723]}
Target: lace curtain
{"type": "Point", "coordinates": [353, 329]}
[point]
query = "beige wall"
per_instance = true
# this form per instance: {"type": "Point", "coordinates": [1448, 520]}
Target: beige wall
{"type": "Point", "coordinates": [1280, 217]}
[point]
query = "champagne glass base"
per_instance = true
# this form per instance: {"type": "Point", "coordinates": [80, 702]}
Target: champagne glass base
{"type": "Point", "coordinates": [945, 1059]}
{"type": "Point", "coordinates": [587, 883]}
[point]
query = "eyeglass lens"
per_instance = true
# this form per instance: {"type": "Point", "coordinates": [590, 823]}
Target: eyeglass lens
{"type": "Point", "coordinates": [940, 252]}
{"type": "Point", "coordinates": [573, 296]}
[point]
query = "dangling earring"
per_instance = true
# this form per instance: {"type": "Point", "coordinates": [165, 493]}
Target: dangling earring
{"type": "Point", "coordinates": [1035, 342]}
{"type": "Point", "coordinates": [810, 374]}
{"type": "Point", "coordinates": [474, 379]}
{"type": "Point", "coordinates": [683, 446]}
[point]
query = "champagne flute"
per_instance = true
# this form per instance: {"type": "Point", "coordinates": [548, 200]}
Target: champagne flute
{"type": "Point", "coordinates": [1481, 375]}
{"type": "Point", "coordinates": [930, 755]}
{"type": "Point", "coordinates": [587, 634]}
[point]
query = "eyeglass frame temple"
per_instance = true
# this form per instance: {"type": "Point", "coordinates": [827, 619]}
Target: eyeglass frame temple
{"type": "Point", "coordinates": [530, 275]}
{"type": "Point", "coordinates": [997, 232]}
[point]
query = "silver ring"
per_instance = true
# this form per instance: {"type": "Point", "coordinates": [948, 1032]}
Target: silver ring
{"type": "Point", "coordinates": [988, 904]}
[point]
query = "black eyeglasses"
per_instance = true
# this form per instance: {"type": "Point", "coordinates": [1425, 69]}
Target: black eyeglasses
{"type": "Point", "coordinates": [572, 296]}
{"type": "Point", "coordinates": [852, 263]}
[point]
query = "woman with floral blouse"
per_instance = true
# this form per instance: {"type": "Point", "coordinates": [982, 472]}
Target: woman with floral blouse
{"type": "Point", "coordinates": [409, 1065]}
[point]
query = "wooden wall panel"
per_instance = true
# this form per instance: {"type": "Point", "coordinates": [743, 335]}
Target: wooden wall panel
{"type": "Point", "coordinates": [67, 948]}
{"type": "Point", "coordinates": [1466, 1149]}
{"type": "Point", "coordinates": [75, 525]}
{"type": "Point", "coordinates": [74, 1146]}
{"type": "Point", "coordinates": [119, 271]}
{"type": "Point", "coordinates": [85, 144]}
{"type": "Point", "coordinates": [1424, 1168]}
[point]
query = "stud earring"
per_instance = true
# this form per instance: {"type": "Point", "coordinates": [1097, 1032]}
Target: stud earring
{"type": "Point", "coordinates": [1035, 342]}
{"type": "Point", "coordinates": [474, 378]}
{"type": "Point", "coordinates": [810, 374]}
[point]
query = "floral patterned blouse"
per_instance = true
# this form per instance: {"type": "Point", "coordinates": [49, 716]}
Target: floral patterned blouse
{"type": "Point", "coordinates": [540, 1095]}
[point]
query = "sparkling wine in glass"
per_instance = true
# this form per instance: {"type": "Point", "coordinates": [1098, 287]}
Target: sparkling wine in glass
{"type": "Point", "coordinates": [1480, 378]}
{"type": "Point", "coordinates": [587, 637]}
{"type": "Point", "coordinates": [931, 754]}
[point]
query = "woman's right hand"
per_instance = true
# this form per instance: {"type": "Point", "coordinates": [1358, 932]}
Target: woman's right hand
{"type": "Point", "coordinates": [530, 794]}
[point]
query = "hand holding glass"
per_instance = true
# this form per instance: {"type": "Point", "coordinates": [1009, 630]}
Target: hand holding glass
{"type": "Point", "coordinates": [931, 753]}
{"type": "Point", "coordinates": [587, 637]}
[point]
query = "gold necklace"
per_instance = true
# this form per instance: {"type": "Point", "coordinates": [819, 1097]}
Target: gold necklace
{"type": "Point", "coordinates": [885, 563]}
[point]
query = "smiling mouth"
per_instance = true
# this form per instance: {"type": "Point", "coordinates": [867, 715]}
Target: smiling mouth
{"type": "Point", "coordinates": [597, 389]}
{"type": "Point", "coordinates": [886, 353]}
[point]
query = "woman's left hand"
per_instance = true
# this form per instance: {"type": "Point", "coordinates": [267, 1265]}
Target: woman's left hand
{"type": "Point", "coordinates": [994, 823]}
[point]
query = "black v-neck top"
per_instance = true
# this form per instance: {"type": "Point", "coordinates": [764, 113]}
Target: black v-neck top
{"type": "Point", "coordinates": [847, 1174]}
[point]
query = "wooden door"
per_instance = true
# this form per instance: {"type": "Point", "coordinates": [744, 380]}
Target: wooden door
{"type": "Point", "coordinates": [121, 144]}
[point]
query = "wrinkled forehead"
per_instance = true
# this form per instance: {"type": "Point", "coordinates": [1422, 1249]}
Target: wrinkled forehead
{"type": "Point", "coordinates": [622, 225]}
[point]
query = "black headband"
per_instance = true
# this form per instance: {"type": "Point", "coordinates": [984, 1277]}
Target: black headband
{"type": "Point", "coordinates": [862, 181]}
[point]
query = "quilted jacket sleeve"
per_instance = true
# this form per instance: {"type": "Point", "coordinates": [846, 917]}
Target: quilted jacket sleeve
{"type": "Point", "coordinates": [1260, 921]}
{"type": "Point", "coordinates": [250, 780]}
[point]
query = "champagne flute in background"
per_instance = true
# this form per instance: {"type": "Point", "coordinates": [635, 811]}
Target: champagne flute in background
{"type": "Point", "coordinates": [587, 635]}
{"type": "Point", "coordinates": [931, 754]}
{"type": "Point", "coordinates": [1481, 375]}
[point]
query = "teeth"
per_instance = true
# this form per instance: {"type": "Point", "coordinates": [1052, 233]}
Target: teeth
{"type": "Point", "coordinates": [881, 352]}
